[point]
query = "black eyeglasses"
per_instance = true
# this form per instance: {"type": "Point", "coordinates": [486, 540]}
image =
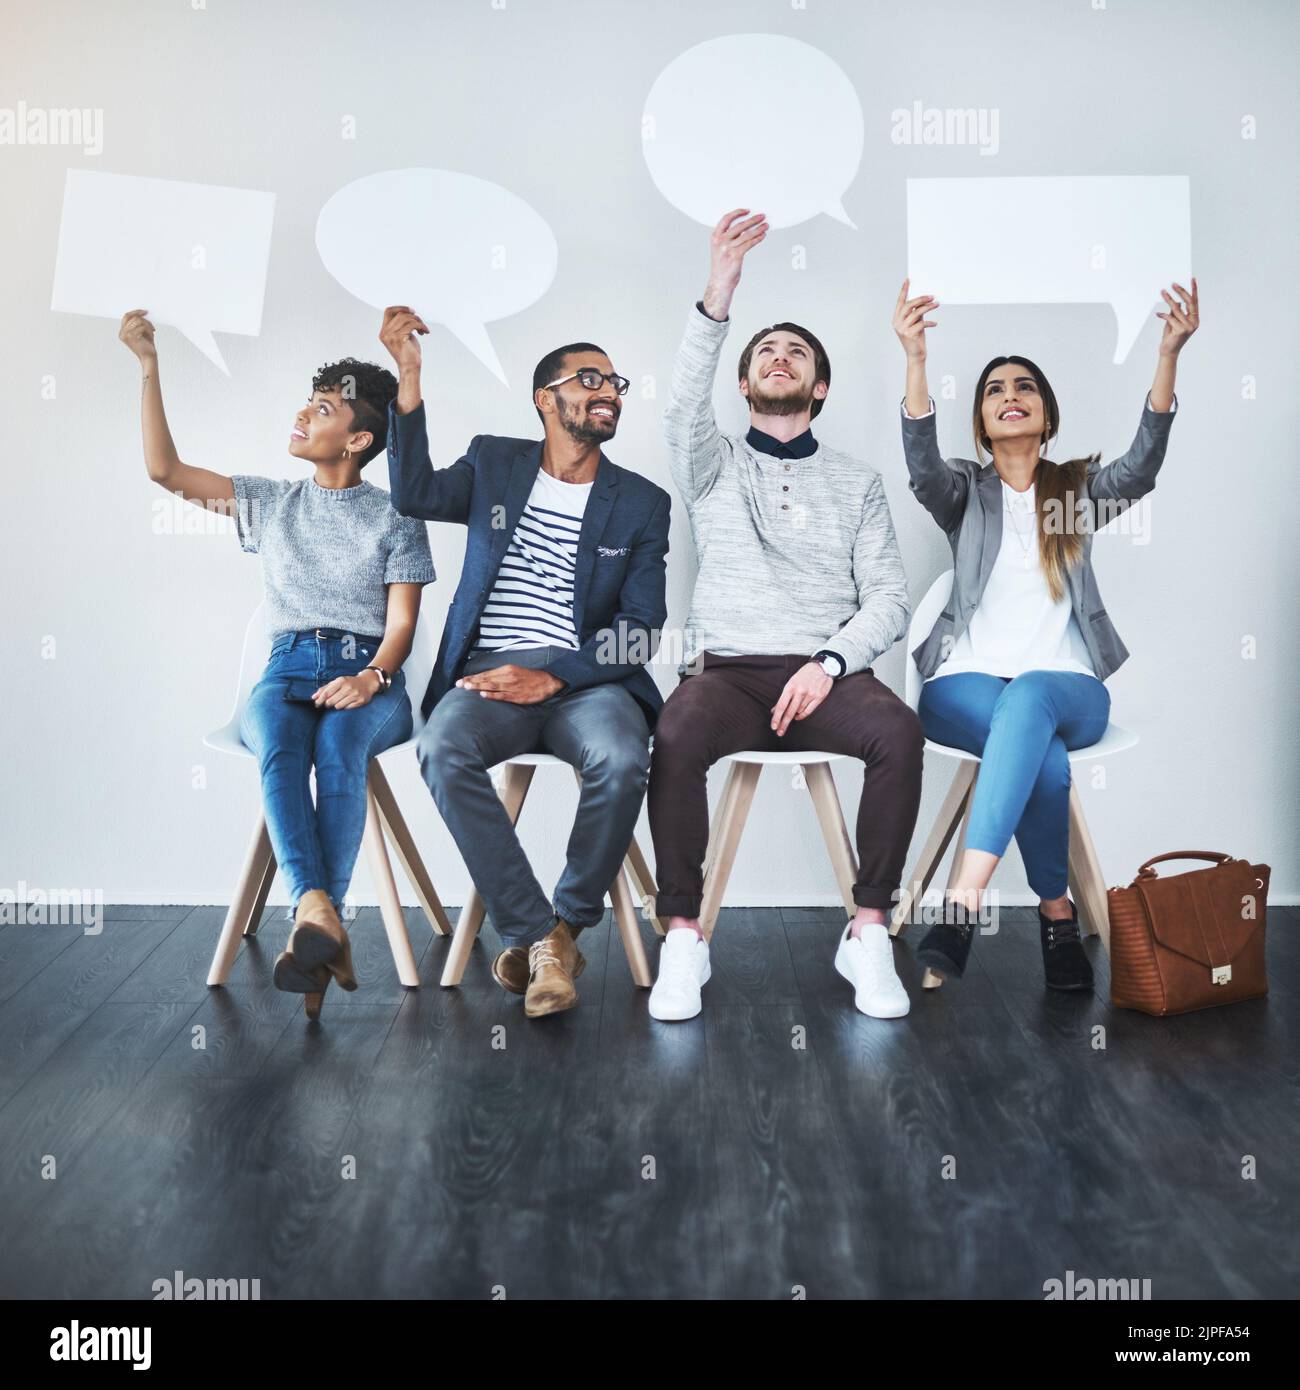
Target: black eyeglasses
{"type": "Point", "coordinates": [593, 380]}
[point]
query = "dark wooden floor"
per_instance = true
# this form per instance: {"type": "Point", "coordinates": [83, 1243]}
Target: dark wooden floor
{"type": "Point", "coordinates": [600, 1154]}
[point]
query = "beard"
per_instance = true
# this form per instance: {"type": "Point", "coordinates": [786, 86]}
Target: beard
{"type": "Point", "coordinates": [787, 403]}
{"type": "Point", "coordinates": [586, 429]}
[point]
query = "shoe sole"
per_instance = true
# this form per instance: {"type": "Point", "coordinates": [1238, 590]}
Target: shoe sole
{"type": "Point", "coordinates": [843, 972]}
{"type": "Point", "coordinates": [553, 1009]}
{"type": "Point", "coordinates": [311, 947]}
{"type": "Point", "coordinates": [290, 976]}
{"type": "Point", "coordinates": [940, 964]}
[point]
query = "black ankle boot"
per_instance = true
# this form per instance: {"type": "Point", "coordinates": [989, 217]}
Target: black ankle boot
{"type": "Point", "coordinates": [947, 944]}
{"type": "Point", "coordinates": [1064, 962]}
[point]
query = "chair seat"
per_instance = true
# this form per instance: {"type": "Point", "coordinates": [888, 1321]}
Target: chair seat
{"type": "Point", "coordinates": [1116, 739]}
{"type": "Point", "coordinates": [530, 760]}
{"type": "Point", "coordinates": [781, 756]}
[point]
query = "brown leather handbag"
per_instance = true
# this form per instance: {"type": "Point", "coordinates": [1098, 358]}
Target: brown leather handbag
{"type": "Point", "coordinates": [1191, 940]}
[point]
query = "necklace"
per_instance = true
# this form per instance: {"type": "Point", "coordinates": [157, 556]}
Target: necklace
{"type": "Point", "coordinates": [1025, 537]}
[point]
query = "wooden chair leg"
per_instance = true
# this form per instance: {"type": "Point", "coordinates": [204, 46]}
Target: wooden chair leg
{"type": "Point", "coordinates": [390, 905]}
{"type": "Point", "coordinates": [404, 847]}
{"type": "Point", "coordinates": [737, 797]}
{"type": "Point", "coordinates": [941, 833]}
{"type": "Point", "coordinates": [930, 980]}
{"type": "Point", "coordinates": [629, 931]}
{"type": "Point", "coordinates": [821, 787]}
{"type": "Point", "coordinates": [246, 906]}
{"type": "Point", "coordinates": [1086, 881]}
{"type": "Point", "coordinates": [514, 791]}
{"type": "Point", "coordinates": [643, 884]}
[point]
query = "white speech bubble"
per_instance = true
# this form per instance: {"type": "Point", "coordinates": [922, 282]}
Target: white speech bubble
{"type": "Point", "coordinates": [1112, 239]}
{"type": "Point", "coordinates": [193, 254]}
{"type": "Point", "coordinates": [753, 121]}
{"type": "Point", "coordinates": [460, 251]}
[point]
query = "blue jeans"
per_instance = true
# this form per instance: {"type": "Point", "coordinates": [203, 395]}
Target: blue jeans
{"type": "Point", "coordinates": [1021, 729]}
{"type": "Point", "coordinates": [316, 846]}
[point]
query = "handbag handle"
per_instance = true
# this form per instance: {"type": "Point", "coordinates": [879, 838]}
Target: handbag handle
{"type": "Point", "coordinates": [1146, 871]}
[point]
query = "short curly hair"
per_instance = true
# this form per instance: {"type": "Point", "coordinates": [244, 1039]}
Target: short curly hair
{"type": "Point", "coordinates": [369, 390]}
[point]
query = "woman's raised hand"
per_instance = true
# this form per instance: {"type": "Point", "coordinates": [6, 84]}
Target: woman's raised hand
{"type": "Point", "coordinates": [137, 333]}
{"type": "Point", "coordinates": [910, 320]}
{"type": "Point", "coordinates": [1182, 320]}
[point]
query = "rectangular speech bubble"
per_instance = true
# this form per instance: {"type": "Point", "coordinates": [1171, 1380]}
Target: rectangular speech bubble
{"type": "Point", "coordinates": [1106, 239]}
{"type": "Point", "coordinates": [193, 254]}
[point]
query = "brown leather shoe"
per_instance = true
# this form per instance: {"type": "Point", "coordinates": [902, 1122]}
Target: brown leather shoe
{"type": "Point", "coordinates": [290, 976]}
{"type": "Point", "coordinates": [511, 970]}
{"type": "Point", "coordinates": [552, 963]}
{"type": "Point", "coordinates": [319, 938]}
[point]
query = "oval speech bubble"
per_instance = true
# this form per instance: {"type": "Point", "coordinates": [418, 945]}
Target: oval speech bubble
{"type": "Point", "coordinates": [460, 251]}
{"type": "Point", "coordinates": [709, 147]}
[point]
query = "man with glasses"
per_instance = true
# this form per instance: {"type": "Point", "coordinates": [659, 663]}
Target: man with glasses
{"type": "Point", "coordinates": [559, 608]}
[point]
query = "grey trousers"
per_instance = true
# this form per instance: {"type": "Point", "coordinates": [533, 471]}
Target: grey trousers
{"type": "Point", "coordinates": [601, 731]}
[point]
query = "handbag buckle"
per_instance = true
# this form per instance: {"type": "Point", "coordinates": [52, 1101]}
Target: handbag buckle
{"type": "Point", "coordinates": [1220, 974]}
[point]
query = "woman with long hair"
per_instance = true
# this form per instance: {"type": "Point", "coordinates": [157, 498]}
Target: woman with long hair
{"type": "Point", "coordinates": [1014, 668]}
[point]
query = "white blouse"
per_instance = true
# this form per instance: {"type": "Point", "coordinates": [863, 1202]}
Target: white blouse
{"type": "Point", "coordinates": [1016, 626]}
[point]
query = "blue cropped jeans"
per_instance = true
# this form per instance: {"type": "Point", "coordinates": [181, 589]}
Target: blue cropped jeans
{"type": "Point", "coordinates": [316, 846]}
{"type": "Point", "coordinates": [1022, 729]}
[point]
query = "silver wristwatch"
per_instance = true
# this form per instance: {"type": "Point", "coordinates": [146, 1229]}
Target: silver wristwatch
{"type": "Point", "coordinates": [832, 663]}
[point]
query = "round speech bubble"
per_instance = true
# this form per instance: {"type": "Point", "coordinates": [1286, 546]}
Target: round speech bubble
{"type": "Point", "coordinates": [460, 251]}
{"type": "Point", "coordinates": [753, 120]}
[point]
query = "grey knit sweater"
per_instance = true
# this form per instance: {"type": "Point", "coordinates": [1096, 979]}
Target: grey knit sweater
{"type": "Point", "coordinates": [795, 555]}
{"type": "Point", "coordinates": [328, 554]}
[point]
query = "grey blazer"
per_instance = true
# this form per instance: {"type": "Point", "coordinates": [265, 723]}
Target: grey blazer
{"type": "Point", "coordinates": [965, 498]}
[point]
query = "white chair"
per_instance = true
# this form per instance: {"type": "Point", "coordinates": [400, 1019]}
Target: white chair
{"type": "Point", "coordinates": [512, 787]}
{"type": "Point", "coordinates": [1086, 882]}
{"type": "Point", "coordinates": [382, 818]}
{"type": "Point", "coordinates": [729, 822]}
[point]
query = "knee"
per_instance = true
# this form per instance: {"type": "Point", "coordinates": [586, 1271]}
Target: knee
{"type": "Point", "coordinates": [1054, 774]}
{"type": "Point", "coordinates": [624, 763]}
{"type": "Point", "coordinates": [445, 745]}
{"type": "Point", "coordinates": [680, 729]}
{"type": "Point", "coordinates": [339, 758]}
{"type": "Point", "coordinates": [896, 733]}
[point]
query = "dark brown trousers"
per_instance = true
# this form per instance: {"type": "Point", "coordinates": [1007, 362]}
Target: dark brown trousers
{"type": "Point", "coordinates": [726, 707]}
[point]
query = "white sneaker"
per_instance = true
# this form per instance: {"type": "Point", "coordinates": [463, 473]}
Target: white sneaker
{"type": "Point", "coordinates": [683, 968]}
{"type": "Point", "coordinates": [867, 963]}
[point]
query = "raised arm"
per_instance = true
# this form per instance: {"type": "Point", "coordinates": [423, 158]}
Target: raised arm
{"type": "Point", "coordinates": [695, 444]}
{"type": "Point", "coordinates": [415, 486]}
{"type": "Point", "coordinates": [198, 485]}
{"type": "Point", "coordinates": [940, 489]}
{"type": "Point", "coordinates": [1133, 474]}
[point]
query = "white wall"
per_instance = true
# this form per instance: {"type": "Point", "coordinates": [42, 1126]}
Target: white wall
{"type": "Point", "coordinates": [102, 743]}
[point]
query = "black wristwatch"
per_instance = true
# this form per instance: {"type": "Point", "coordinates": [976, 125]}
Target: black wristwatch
{"type": "Point", "coordinates": [823, 657]}
{"type": "Point", "coordinates": [385, 680]}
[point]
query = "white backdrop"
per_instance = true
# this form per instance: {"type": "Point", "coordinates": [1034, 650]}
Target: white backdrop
{"type": "Point", "coordinates": [123, 643]}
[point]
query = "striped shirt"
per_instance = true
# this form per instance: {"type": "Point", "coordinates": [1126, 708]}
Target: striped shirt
{"type": "Point", "coordinates": [531, 603]}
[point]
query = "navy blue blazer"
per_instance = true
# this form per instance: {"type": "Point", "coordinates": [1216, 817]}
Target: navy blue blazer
{"type": "Point", "coordinates": [619, 603]}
